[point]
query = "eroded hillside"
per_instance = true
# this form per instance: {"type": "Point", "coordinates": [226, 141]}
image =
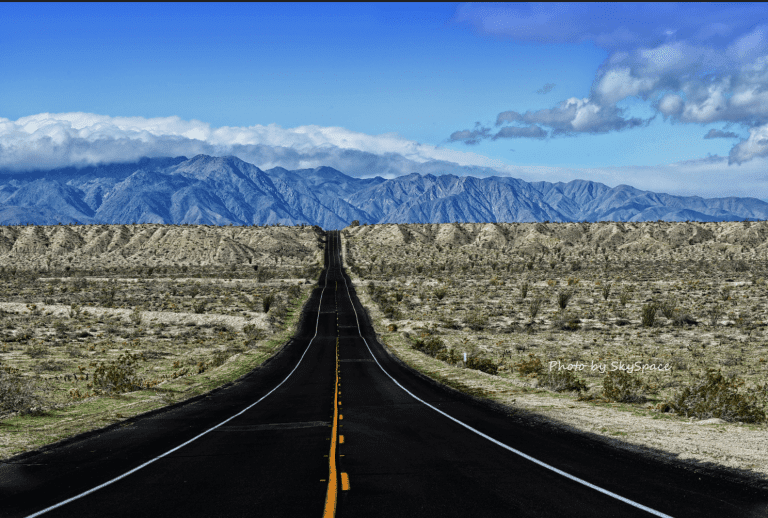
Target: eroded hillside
{"type": "Point", "coordinates": [666, 239]}
{"type": "Point", "coordinates": [56, 247]}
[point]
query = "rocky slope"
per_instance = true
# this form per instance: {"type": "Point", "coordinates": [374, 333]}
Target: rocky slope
{"type": "Point", "coordinates": [82, 246]}
{"type": "Point", "coordinates": [223, 190]}
{"type": "Point", "coordinates": [700, 240]}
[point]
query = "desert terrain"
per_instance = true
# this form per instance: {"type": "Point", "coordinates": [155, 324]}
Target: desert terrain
{"type": "Point", "coordinates": [99, 323]}
{"type": "Point", "coordinates": [648, 335]}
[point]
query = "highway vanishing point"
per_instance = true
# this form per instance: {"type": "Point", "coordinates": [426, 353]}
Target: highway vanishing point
{"type": "Point", "coordinates": [334, 425]}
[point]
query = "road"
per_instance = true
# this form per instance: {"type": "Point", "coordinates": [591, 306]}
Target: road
{"type": "Point", "coordinates": [335, 426]}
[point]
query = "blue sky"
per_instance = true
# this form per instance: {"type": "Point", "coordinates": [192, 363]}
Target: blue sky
{"type": "Point", "coordinates": [620, 93]}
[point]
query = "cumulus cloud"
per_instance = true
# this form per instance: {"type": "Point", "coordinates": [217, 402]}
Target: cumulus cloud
{"type": "Point", "coordinates": [546, 88]}
{"type": "Point", "coordinates": [756, 145]}
{"type": "Point", "coordinates": [618, 83]}
{"type": "Point", "coordinates": [569, 117]}
{"type": "Point", "coordinates": [581, 116]}
{"type": "Point", "coordinates": [713, 133]}
{"type": "Point", "coordinates": [695, 66]}
{"type": "Point", "coordinates": [670, 105]}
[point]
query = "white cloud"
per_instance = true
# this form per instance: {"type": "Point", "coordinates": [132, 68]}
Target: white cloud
{"type": "Point", "coordinates": [699, 67]}
{"type": "Point", "coordinates": [756, 145]}
{"type": "Point", "coordinates": [56, 140]}
{"type": "Point", "coordinates": [670, 104]}
{"type": "Point", "coordinates": [618, 84]}
{"type": "Point", "coordinates": [49, 140]}
{"type": "Point", "coordinates": [749, 46]}
{"type": "Point", "coordinates": [708, 104]}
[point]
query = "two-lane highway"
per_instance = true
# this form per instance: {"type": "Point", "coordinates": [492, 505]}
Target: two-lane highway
{"type": "Point", "coordinates": [335, 426]}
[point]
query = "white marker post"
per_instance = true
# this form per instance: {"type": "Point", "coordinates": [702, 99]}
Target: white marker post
{"type": "Point", "coordinates": [465, 358]}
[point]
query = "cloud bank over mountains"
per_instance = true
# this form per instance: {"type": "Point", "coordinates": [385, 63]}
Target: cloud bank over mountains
{"type": "Point", "coordinates": [47, 141]}
{"type": "Point", "coordinates": [691, 63]}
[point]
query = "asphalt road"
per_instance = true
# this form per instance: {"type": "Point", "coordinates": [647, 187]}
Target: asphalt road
{"type": "Point", "coordinates": [333, 425]}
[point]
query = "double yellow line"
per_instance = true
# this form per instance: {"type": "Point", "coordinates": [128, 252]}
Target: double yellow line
{"type": "Point", "coordinates": [331, 495]}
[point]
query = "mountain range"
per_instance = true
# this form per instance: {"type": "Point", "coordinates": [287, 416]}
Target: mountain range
{"type": "Point", "coordinates": [226, 190]}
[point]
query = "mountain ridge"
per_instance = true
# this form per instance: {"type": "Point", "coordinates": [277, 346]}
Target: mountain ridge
{"type": "Point", "coordinates": [227, 190]}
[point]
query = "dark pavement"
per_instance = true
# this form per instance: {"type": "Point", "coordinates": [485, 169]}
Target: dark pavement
{"type": "Point", "coordinates": [400, 457]}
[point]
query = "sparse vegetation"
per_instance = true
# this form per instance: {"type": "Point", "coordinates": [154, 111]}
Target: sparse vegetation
{"type": "Point", "coordinates": [530, 367]}
{"type": "Point", "coordinates": [606, 291]}
{"type": "Point", "coordinates": [623, 387]}
{"type": "Point", "coordinates": [19, 394]}
{"type": "Point", "coordinates": [648, 315]}
{"type": "Point", "coordinates": [118, 375]}
{"type": "Point", "coordinates": [714, 395]}
{"type": "Point", "coordinates": [534, 307]}
{"type": "Point", "coordinates": [138, 326]}
{"type": "Point", "coordinates": [561, 381]}
{"type": "Point", "coordinates": [641, 293]}
{"type": "Point", "coordinates": [563, 297]}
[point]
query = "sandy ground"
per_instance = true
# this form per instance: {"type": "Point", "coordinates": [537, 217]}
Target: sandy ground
{"type": "Point", "coordinates": [699, 443]}
{"type": "Point", "coordinates": [152, 317]}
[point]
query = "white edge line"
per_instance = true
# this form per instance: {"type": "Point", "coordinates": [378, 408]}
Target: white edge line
{"type": "Point", "coordinates": [134, 470]}
{"type": "Point", "coordinates": [509, 448]}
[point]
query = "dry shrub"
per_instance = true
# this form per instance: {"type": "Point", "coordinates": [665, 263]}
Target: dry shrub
{"type": "Point", "coordinates": [648, 315]}
{"type": "Point", "coordinates": [435, 347]}
{"type": "Point", "coordinates": [622, 387]}
{"type": "Point", "coordinates": [714, 395]}
{"type": "Point", "coordinates": [118, 376]}
{"type": "Point", "coordinates": [18, 394]}
{"type": "Point", "coordinates": [534, 307]}
{"type": "Point", "coordinates": [682, 318]}
{"type": "Point", "coordinates": [253, 333]}
{"type": "Point", "coordinates": [267, 302]}
{"type": "Point", "coordinates": [563, 297]}
{"type": "Point", "coordinates": [567, 323]}
{"type": "Point", "coordinates": [294, 291]}
{"type": "Point", "coordinates": [561, 381]}
{"type": "Point", "coordinates": [476, 320]}
{"type": "Point", "coordinates": [483, 365]}
{"type": "Point", "coordinates": [431, 346]}
{"type": "Point", "coordinates": [668, 309]}
{"type": "Point", "coordinates": [199, 306]}
{"type": "Point", "coordinates": [218, 359]}
{"type": "Point", "coordinates": [36, 351]}
{"type": "Point", "coordinates": [531, 366]}
{"type": "Point", "coordinates": [392, 312]}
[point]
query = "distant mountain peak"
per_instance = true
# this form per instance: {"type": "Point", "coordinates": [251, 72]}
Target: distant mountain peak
{"type": "Point", "coordinates": [221, 190]}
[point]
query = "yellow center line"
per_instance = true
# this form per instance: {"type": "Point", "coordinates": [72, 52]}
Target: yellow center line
{"type": "Point", "coordinates": [332, 493]}
{"type": "Point", "coordinates": [344, 482]}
